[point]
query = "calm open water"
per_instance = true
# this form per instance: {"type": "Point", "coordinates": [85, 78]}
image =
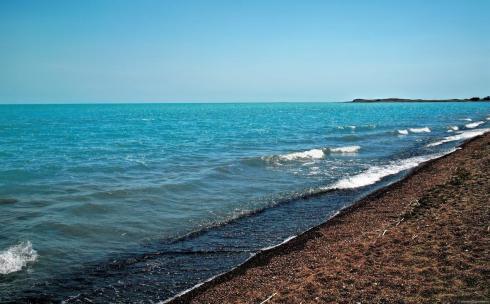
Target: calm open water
{"type": "Point", "coordinates": [137, 202]}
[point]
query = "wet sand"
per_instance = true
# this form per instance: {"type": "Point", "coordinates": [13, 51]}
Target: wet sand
{"type": "Point", "coordinates": [423, 239]}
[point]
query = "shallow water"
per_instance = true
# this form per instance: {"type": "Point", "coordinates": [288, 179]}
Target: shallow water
{"type": "Point", "coordinates": [137, 202]}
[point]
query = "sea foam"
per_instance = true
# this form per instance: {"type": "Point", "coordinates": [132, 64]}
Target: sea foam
{"type": "Point", "coordinates": [312, 154]}
{"type": "Point", "coordinates": [376, 173]}
{"type": "Point", "coordinates": [453, 128]}
{"type": "Point", "coordinates": [347, 149]}
{"type": "Point", "coordinates": [474, 124]}
{"type": "Point", "coordinates": [419, 130]}
{"type": "Point", "coordinates": [460, 136]}
{"type": "Point", "coordinates": [346, 127]}
{"type": "Point", "coordinates": [402, 132]}
{"type": "Point", "coordinates": [16, 257]}
{"type": "Point", "coordinates": [309, 154]}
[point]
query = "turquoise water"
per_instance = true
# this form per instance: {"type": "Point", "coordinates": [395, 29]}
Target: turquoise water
{"type": "Point", "coordinates": [84, 187]}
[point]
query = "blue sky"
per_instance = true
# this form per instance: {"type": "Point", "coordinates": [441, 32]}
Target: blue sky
{"type": "Point", "coordinates": [225, 51]}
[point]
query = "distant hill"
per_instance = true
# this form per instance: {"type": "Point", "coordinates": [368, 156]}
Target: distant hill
{"type": "Point", "coordinates": [473, 99]}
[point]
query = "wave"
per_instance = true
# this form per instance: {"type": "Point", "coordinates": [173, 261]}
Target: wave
{"type": "Point", "coordinates": [309, 154]}
{"type": "Point", "coordinates": [279, 244]}
{"type": "Point", "coordinates": [360, 127]}
{"type": "Point", "coordinates": [346, 127]}
{"type": "Point", "coordinates": [466, 119]}
{"type": "Point", "coordinates": [474, 124]}
{"type": "Point", "coordinates": [402, 132]}
{"type": "Point", "coordinates": [376, 173]}
{"type": "Point", "coordinates": [312, 154]}
{"type": "Point", "coordinates": [452, 128]}
{"type": "Point", "coordinates": [347, 149]}
{"type": "Point", "coordinates": [460, 136]}
{"type": "Point", "coordinates": [16, 257]}
{"type": "Point", "coordinates": [419, 130]}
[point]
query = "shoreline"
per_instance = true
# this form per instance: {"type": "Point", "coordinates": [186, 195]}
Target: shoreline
{"type": "Point", "coordinates": [237, 285]}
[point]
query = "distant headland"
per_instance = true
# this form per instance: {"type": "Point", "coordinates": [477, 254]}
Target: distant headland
{"type": "Point", "coordinates": [472, 99]}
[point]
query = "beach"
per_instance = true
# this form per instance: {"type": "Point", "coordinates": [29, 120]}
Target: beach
{"type": "Point", "coordinates": [422, 239]}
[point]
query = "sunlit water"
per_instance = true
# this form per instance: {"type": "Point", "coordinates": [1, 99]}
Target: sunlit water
{"type": "Point", "coordinates": [138, 202]}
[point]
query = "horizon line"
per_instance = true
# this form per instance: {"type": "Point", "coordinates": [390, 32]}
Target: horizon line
{"type": "Point", "coordinates": [213, 102]}
{"type": "Point", "coordinates": [163, 102]}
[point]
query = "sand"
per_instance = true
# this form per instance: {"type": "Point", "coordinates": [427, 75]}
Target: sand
{"type": "Point", "coordinates": [423, 239]}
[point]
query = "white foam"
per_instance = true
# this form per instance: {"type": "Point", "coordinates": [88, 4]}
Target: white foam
{"type": "Point", "coordinates": [460, 136]}
{"type": "Point", "coordinates": [403, 132]}
{"type": "Point", "coordinates": [453, 128]}
{"type": "Point", "coordinates": [312, 154]}
{"type": "Point", "coordinates": [349, 127]}
{"type": "Point", "coordinates": [281, 243]}
{"type": "Point", "coordinates": [466, 119]}
{"type": "Point", "coordinates": [419, 130]}
{"type": "Point", "coordinates": [309, 154]}
{"type": "Point", "coordinates": [16, 257]}
{"type": "Point", "coordinates": [474, 124]}
{"type": "Point", "coordinates": [376, 173]}
{"type": "Point", "coordinates": [347, 149]}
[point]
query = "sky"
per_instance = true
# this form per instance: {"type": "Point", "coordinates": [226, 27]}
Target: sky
{"type": "Point", "coordinates": [242, 51]}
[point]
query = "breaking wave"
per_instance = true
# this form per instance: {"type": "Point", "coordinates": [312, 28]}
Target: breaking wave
{"type": "Point", "coordinates": [453, 128]}
{"type": "Point", "coordinates": [402, 132]}
{"type": "Point", "coordinates": [419, 130]}
{"type": "Point", "coordinates": [346, 127]}
{"type": "Point", "coordinates": [311, 154]}
{"type": "Point", "coordinates": [360, 127]}
{"type": "Point", "coordinates": [16, 257]}
{"type": "Point", "coordinates": [460, 136]}
{"type": "Point", "coordinates": [347, 149]}
{"type": "Point", "coordinates": [474, 124]}
{"type": "Point", "coordinates": [376, 173]}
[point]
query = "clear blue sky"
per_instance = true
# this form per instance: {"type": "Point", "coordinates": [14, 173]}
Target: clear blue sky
{"type": "Point", "coordinates": [145, 51]}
